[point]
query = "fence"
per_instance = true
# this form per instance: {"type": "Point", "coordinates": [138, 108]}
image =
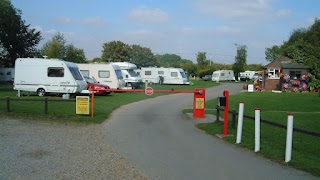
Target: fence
{"type": "Point", "coordinates": [235, 113]}
{"type": "Point", "coordinates": [45, 100]}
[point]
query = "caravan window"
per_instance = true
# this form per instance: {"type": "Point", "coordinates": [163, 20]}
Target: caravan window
{"type": "Point", "coordinates": [160, 72]}
{"type": "Point", "coordinates": [85, 73]}
{"type": "Point", "coordinates": [147, 73]}
{"type": "Point", "coordinates": [183, 74]}
{"type": "Point", "coordinates": [119, 74]}
{"type": "Point", "coordinates": [174, 74]}
{"type": "Point", "coordinates": [104, 74]}
{"type": "Point", "coordinates": [55, 72]}
{"type": "Point", "coordinates": [222, 74]}
{"type": "Point", "coordinates": [75, 73]}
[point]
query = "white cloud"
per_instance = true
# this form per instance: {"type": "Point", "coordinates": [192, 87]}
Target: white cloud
{"type": "Point", "coordinates": [147, 15]}
{"type": "Point", "coordinates": [234, 8]}
{"type": "Point", "coordinates": [141, 32]}
{"type": "Point", "coordinates": [211, 31]}
{"type": "Point", "coordinates": [85, 21]}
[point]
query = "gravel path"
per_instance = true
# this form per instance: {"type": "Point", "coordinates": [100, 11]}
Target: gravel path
{"type": "Point", "coordinates": [50, 150]}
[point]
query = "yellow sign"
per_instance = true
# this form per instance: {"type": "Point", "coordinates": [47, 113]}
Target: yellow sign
{"type": "Point", "coordinates": [199, 103]}
{"type": "Point", "coordinates": [82, 104]}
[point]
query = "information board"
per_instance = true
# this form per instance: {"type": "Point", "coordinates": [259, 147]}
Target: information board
{"type": "Point", "coordinates": [82, 104]}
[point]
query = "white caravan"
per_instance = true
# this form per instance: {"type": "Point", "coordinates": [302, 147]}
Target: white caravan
{"type": "Point", "coordinates": [104, 73]}
{"type": "Point", "coordinates": [6, 74]}
{"type": "Point", "coordinates": [163, 75]}
{"type": "Point", "coordinates": [130, 76]}
{"type": "Point", "coordinates": [223, 75]}
{"type": "Point", "coordinates": [47, 76]}
{"type": "Point", "coordinates": [248, 75]}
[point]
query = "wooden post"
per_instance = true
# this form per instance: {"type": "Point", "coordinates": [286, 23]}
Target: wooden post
{"type": "Point", "coordinates": [8, 104]}
{"type": "Point", "coordinates": [234, 114]}
{"type": "Point", "coordinates": [46, 105]}
{"type": "Point", "coordinates": [218, 113]}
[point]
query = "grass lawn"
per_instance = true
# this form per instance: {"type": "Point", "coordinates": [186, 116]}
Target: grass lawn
{"type": "Point", "coordinates": [275, 107]}
{"type": "Point", "coordinates": [65, 111]}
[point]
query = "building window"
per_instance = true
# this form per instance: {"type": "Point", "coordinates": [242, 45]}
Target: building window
{"type": "Point", "coordinates": [147, 73]}
{"type": "Point", "coordinates": [273, 73]}
{"type": "Point", "coordinates": [295, 74]}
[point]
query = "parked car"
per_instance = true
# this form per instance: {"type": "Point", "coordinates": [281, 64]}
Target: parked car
{"type": "Point", "coordinates": [100, 89]}
{"type": "Point", "coordinates": [207, 77]}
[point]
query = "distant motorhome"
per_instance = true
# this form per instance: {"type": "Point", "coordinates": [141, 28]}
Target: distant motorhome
{"type": "Point", "coordinates": [131, 78]}
{"type": "Point", "coordinates": [104, 73]}
{"type": "Point", "coordinates": [47, 76]}
{"type": "Point", "coordinates": [248, 75]}
{"type": "Point", "coordinates": [163, 75]}
{"type": "Point", "coordinates": [223, 75]}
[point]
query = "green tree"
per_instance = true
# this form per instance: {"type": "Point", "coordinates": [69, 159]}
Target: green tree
{"type": "Point", "coordinates": [304, 46]}
{"type": "Point", "coordinates": [169, 60]}
{"type": "Point", "coordinates": [96, 59]}
{"type": "Point", "coordinates": [58, 48]}
{"type": "Point", "coordinates": [55, 48]}
{"type": "Point", "coordinates": [273, 53]}
{"type": "Point", "coordinates": [240, 60]}
{"type": "Point", "coordinates": [115, 51]}
{"type": "Point", "coordinates": [142, 56]}
{"type": "Point", "coordinates": [74, 54]}
{"type": "Point", "coordinates": [202, 59]}
{"type": "Point", "coordinates": [16, 38]}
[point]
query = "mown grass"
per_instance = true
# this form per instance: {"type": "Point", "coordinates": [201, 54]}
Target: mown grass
{"type": "Point", "coordinates": [65, 111]}
{"type": "Point", "coordinates": [275, 107]}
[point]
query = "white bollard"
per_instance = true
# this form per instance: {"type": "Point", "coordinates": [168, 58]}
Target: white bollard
{"type": "Point", "coordinates": [240, 122]}
{"type": "Point", "coordinates": [257, 130]}
{"type": "Point", "coordinates": [289, 138]}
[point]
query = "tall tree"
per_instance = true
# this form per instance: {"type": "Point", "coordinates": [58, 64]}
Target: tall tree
{"type": "Point", "coordinates": [169, 60]}
{"type": "Point", "coordinates": [17, 39]}
{"type": "Point", "coordinates": [240, 60]}
{"type": "Point", "coordinates": [142, 56]}
{"type": "Point", "coordinates": [115, 51]}
{"type": "Point", "coordinates": [74, 54]}
{"type": "Point", "coordinates": [304, 46]}
{"type": "Point", "coordinates": [273, 53]}
{"type": "Point", "coordinates": [202, 59]}
{"type": "Point", "coordinates": [55, 48]}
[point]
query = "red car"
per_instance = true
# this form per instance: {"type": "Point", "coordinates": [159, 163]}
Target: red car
{"type": "Point", "coordinates": [100, 89]}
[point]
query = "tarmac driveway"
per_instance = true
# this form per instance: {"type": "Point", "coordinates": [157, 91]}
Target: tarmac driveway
{"type": "Point", "coordinates": [162, 143]}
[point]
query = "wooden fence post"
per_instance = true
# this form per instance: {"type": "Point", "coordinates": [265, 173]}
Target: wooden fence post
{"type": "Point", "coordinates": [218, 113]}
{"type": "Point", "coordinates": [8, 104]}
{"type": "Point", "coordinates": [234, 114]}
{"type": "Point", "coordinates": [46, 105]}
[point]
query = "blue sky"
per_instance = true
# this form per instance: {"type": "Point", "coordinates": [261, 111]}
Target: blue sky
{"type": "Point", "coordinates": [182, 27]}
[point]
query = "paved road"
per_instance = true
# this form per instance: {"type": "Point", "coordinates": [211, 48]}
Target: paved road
{"type": "Point", "coordinates": [163, 143]}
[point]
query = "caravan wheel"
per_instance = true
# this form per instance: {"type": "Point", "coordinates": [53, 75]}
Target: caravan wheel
{"type": "Point", "coordinates": [41, 92]}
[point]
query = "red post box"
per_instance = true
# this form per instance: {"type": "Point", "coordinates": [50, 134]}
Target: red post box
{"type": "Point", "coordinates": [199, 103]}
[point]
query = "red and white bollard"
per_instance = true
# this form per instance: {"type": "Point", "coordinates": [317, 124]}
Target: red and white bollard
{"type": "Point", "coordinates": [257, 130]}
{"type": "Point", "coordinates": [289, 138]}
{"type": "Point", "coordinates": [240, 122]}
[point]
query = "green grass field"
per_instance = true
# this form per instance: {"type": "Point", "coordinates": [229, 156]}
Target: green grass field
{"type": "Point", "coordinates": [65, 111]}
{"type": "Point", "coordinates": [275, 107]}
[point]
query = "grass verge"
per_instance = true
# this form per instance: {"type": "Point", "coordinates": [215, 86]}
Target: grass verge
{"type": "Point", "coordinates": [275, 107]}
{"type": "Point", "coordinates": [65, 111]}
